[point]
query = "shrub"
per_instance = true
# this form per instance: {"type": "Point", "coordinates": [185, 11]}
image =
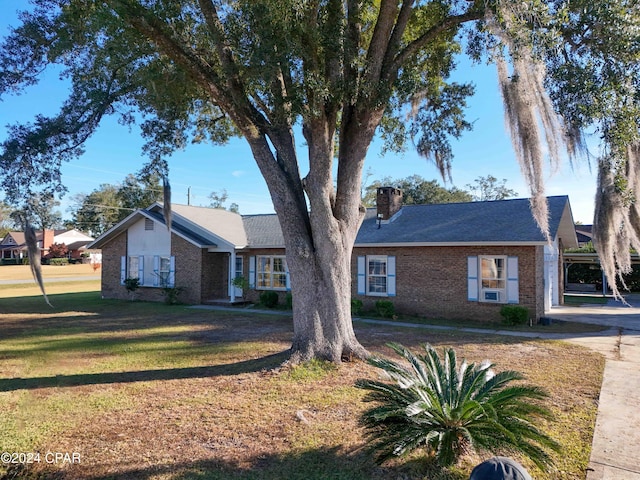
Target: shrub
{"type": "Point", "coordinates": [240, 282]}
{"type": "Point", "coordinates": [131, 284]}
{"type": "Point", "coordinates": [289, 301]}
{"type": "Point", "coordinates": [269, 299]}
{"type": "Point", "coordinates": [58, 261]}
{"type": "Point", "coordinates": [356, 306]}
{"type": "Point", "coordinates": [171, 295]}
{"type": "Point", "coordinates": [514, 315]}
{"type": "Point", "coordinates": [451, 410]}
{"type": "Point", "coordinates": [385, 308]}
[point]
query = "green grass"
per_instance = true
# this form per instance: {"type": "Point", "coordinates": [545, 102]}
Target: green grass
{"type": "Point", "coordinates": [585, 300]}
{"type": "Point", "coordinates": [555, 327]}
{"type": "Point", "coordinates": [146, 390]}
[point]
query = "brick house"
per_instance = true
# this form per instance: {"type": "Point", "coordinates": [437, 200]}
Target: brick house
{"type": "Point", "coordinates": [461, 260]}
{"type": "Point", "coordinates": [14, 246]}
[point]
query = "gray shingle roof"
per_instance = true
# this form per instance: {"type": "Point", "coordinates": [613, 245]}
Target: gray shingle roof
{"type": "Point", "coordinates": [503, 221]}
{"type": "Point", "coordinates": [263, 231]}
{"type": "Point", "coordinates": [472, 222]}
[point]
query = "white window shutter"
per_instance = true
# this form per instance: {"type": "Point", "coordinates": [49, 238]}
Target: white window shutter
{"type": "Point", "coordinates": [123, 270]}
{"type": "Point", "coordinates": [172, 272]}
{"type": "Point", "coordinates": [141, 269]}
{"type": "Point", "coordinates": [472, 279]}
{"type": "Point", "coordinates": [513, 295]}
{"type": "Point", "coordinates": [391, 276]}
{"type": "Point", "coordinates": [252, 272]}
{"type": "Point", "coordinates": [288, 280]}
{"type": "Point", "coordinates": [361, 275]}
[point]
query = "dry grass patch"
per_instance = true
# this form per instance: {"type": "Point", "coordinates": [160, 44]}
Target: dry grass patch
{"type": "Point", "coordinates": [23, 272]}
{"type": "Point", "coordinates": [148, 391]}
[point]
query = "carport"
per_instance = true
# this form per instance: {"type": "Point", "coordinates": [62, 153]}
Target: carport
{"type": "Point", "coordinates": [590, 259]}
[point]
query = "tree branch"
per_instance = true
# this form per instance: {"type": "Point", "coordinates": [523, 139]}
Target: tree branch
{"type": "Point", "coordinates": [413, 48]}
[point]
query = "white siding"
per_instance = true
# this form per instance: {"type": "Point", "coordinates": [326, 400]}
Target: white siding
{"type": "Point", "coordinates": [148, 244]}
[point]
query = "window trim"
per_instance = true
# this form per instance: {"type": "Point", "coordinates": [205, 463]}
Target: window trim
{"type": "Point", "coordinates": [502, 292]}
{"type": "Point", "coordinates": [368, 275]}
{"type": "Point", "coordinates": [259, 272]}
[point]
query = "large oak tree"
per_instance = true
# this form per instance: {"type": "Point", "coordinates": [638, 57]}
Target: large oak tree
{"type": "Point", "coordinates": [339, 72]}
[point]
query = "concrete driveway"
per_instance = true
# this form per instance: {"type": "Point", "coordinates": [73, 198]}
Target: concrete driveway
{"type": "Point", "coordinates": [615, 451]}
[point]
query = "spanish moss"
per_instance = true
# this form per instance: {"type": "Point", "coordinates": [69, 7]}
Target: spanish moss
{"type": "Point", "coordinates": [535, 128]}
{"type": "Point", "coordinates": [34, 258]}
{"type": "Point", "coordinates": [616, 224]}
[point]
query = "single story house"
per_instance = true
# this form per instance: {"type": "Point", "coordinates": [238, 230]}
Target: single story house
{"type": "Point", "coordinates": [14, 246]}
{"type": "Point", "coordinates": [459, 260]}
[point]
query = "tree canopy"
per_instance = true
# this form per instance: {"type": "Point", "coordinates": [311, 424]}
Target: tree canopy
{"type": "Point", "coordinates": [416, 191]}
{"type": "Point", "coordinates": [38, 211]}
{"type": "Point", "coordinates": [98, 211]}
{"type": "Point", "coordinates": [219, 200]}
{"type": "Point", "coordinates": [490, 188]}
{"type": "Point", "coordinates": [341, 71]}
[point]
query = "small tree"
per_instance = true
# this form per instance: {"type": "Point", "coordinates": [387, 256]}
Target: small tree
{"type": "Point", "coordinates": [449, 410]}
{"type": "Point", "coordinates": [58, 250]}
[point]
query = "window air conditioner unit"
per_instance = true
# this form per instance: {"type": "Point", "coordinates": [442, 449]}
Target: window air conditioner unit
{"type": "Point", "coordinates": [492, 296]}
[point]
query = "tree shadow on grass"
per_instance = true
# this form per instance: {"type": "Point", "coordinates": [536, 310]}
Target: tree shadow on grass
{"type": "Point", "coordinates": [248, 366]}
{"type": "Point", "coordinates": [319, 463]}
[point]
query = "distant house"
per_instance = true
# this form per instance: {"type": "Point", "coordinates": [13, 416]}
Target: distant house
{"type": "Point", "coordinates": [584, 234]}
{"type": "Point", "coordinates": [461, 260]}
{"type": "Point", "coordinates": [14, 247]}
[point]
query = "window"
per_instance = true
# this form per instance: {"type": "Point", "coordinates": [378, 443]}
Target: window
{"type": "Point", "coordinates": [377, 275]}
{"type": "Point", "coordinates": [163, 271]}
{"type": "Point", "coordinates": [493, 279]}
{"type": "Point", "coordinates": [271, 273]}
{"type": "Point", "coordinates": [156, 271]}
{"type": "Point", "coordinates": [133, 268]}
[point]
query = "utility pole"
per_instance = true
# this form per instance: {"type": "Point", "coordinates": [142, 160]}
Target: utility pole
{"type": "Point", "coordinates": [188, 195]}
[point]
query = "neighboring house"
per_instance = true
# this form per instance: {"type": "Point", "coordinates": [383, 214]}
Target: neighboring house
{"type": "Point", "coordinates": [584, 234]}
{"type": "Point", "coordinates": [14, 246]}
{"type": "Point", "coordinates": [461, 260]}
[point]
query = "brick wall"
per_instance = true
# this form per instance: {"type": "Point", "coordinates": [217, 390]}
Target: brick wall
{"type": "Point", "coordinates": [215, 275]}
{"type": "Point", "coordinates": [111, 254]}
{"type": "Point", "coordinates": [188, 269]}
{"type": "Point", "coordinates": [189, 266]}
{"type": "Point", "coordinates": [432, 281]}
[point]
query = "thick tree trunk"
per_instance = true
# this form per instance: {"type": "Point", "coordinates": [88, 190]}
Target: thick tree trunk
{"type": "Point", "coordinates": [321, 289]}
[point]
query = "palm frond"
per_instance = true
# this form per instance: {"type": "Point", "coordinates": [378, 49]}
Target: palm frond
{"type": "Point", "coordinates": [450, 408]}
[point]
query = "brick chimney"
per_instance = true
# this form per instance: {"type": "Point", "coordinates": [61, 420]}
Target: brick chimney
{"type": "Point", "coordinates": [47, 240]}
{"type": "Point", "coordinates": [388, 201]}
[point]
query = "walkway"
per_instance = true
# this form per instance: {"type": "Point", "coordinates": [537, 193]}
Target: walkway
{"type": "Point", "coordinates": [615, 453]}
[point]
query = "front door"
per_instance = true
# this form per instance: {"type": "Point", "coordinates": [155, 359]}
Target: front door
{"type": "Point", "coordinates": [238, 273]}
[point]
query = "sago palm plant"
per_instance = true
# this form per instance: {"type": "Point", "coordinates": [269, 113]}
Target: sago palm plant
{"type": "Point", "coordinates": [451, 410]}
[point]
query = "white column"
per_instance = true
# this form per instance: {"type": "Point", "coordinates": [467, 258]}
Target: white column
{"type": "Point", "coordinates": [232, 275]}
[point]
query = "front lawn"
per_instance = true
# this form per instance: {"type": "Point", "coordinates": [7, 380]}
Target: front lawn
{"type": "Point", "coordinates": [149, 391]}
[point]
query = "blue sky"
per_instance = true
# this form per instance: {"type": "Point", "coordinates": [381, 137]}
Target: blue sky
{"type": "Point", "coordinates": [115, 151]}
